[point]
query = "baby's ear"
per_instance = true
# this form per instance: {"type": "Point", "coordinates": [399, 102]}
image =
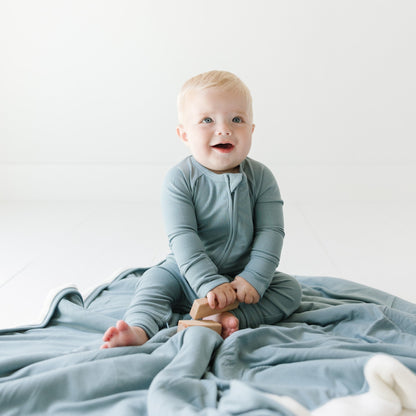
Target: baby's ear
{"type": "Point", "coordinates": [180, 131]}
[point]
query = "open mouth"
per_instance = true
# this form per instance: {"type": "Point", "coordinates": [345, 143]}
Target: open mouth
{"type": "Point", "coordinates": [224, 147]}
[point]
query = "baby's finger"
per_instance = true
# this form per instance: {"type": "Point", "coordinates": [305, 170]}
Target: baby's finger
{"type": "Point", "coordinates": [231, 296]}
{"type": "Point", "coordinates": [248, 299]}
{"type": "Point", "coordinates": [255, 296]}
{"type": "Point", "coordinates": [241, 296]}
{"type": "Point", "coordinates": [212, 300]}
{"type": "Point", "coordinates": [221, 300]}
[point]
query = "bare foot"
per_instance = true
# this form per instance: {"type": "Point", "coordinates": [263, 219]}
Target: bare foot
{"type": "Point", "coordinates": [228, 321]}
{"type": "Point", "coordinates": [123, 335]}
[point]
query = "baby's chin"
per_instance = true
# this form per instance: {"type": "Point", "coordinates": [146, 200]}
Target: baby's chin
{"type": "Point", "coordinates": [235, 169]}
{"type": "Point", "coordinates": [220, 162]}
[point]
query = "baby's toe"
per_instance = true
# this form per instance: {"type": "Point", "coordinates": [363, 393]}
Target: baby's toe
{"type": "Point", "coordinates": [110, 333]}
{"type": "Point", "coordinates": [122, 326]}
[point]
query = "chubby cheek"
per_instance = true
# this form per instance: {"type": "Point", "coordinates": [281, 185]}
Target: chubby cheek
{"type": "Point", "coordinates": [247, 146]}
{"type": "Point", "coordinates": [200, 143]}
{"type": "Point", "coordinates": [199, 151]}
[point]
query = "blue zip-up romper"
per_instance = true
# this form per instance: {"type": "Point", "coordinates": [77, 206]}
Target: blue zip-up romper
{"type": "Point", "coordinates": [219, 226]}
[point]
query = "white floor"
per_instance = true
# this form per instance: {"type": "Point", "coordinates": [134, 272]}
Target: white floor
{"type": "Point", "coordinates": [44, 245]}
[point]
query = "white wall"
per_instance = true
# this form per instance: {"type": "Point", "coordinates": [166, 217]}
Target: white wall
{"type": "Point", "coordinates": [88, 91]}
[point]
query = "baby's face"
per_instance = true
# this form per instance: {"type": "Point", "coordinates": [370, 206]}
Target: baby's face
{"type": "Point", "coordinates": [217, 127]}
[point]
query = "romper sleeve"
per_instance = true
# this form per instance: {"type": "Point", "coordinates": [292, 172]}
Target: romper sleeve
{"type": "Point", "coordinates": [268, 233]}
{"type": "Point", "coordinates": [182, 230]}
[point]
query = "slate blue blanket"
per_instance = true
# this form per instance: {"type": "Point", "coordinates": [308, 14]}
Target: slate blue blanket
{"type": "Point", "coordinates": [314, 356]}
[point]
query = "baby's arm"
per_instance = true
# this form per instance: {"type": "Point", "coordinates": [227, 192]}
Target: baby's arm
{"type": "Point", "coordinates": [268, 232]}
{"type": "Point", "coordinates": [182, 228]}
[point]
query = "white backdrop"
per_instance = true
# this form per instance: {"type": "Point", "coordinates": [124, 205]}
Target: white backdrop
{"type": "Point", "coordinates": [88, 93]}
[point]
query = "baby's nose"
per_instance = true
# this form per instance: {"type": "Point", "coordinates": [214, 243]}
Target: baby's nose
{"type": "Point", "coordinates": [223, 130]}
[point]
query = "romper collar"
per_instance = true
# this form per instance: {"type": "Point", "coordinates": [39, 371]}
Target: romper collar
{"type": "Point", "coordinates": [233, 179]}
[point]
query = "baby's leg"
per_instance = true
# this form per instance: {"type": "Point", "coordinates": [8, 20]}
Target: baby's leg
{"type": "Point", "coordinates": [228, 321]}
{"type": "Point", "coordinates": [280, 300]}
{"type": "Point", "coordinates": [123, 335]}
{"type": "Point", "coordinates": [150, 309]}
{"type": "Point", "coordinates": [156, 292]}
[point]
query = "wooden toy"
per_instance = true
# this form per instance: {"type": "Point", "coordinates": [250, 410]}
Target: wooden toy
{"type": "Point", "coordinates": [201, 309]}
{"type": "Point", "coordinates": [215, 326]}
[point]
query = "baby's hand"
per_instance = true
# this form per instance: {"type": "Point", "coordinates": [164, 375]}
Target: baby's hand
{"type": "Point", "coordinates": [246, 293]}
{"type": "Point", "coordinates": [221, 296]}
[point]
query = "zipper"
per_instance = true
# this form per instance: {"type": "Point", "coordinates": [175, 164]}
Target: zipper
{"type": "Point", "coordinates": [232, 225]}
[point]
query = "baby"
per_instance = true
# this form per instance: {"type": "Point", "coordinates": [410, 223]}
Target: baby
{"type": "Point", "coordinates": [224, 220]}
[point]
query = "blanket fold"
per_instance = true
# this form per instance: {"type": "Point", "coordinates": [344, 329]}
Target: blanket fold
{"type": "Point", "coordinates": [347, 350]}
{"type": "Point", "coordinates": [180, 389]}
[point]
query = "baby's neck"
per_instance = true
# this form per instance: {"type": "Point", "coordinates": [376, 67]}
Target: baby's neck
{"type": "Point", "coordinates": [233, 170]}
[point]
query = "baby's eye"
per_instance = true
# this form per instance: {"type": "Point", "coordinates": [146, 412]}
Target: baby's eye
{"type": "Point", "coordinates": [237, 119]}
{"type": "Point", "coordinates": [207, 120]}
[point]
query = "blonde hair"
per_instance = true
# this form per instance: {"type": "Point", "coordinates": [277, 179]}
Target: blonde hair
{"type": "Point", "coordinates": [213, 79]}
